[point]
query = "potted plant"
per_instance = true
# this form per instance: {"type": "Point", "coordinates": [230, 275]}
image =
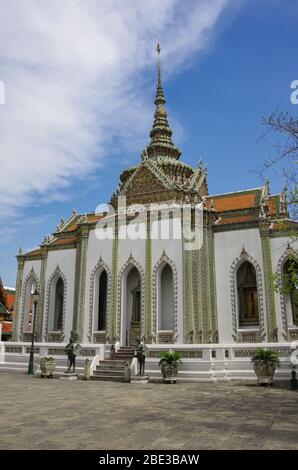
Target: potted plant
{"type": "Point", "coordinates": [169, 365]}
{"type": "Point", "coordinates": [265, 363]}
{"type": "Point", "coordinates": [47, 366]}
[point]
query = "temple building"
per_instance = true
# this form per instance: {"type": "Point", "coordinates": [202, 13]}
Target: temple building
{"type": "Point", "coordinates": [221, 291]}
{"type": "Point", "coordinates": [6, 311]}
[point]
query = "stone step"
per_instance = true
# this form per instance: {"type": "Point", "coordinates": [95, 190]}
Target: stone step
{"type": "Point", "coordinates": [108, 373]}
{"type": "Point", "coordinates": [112, 369]}
{"type": "Point", "coordinates": [122, 358]}
{"type": "Point", "coordinates": [113, 361]}
{"type": "Point", "coordinates": [110, 366]}
{"type": "Point", "coordinates": [129, 353]}
{"type": "Point", "coordinates": [110, 378]}
{"type": "Point", "coordinates": [123, 355]}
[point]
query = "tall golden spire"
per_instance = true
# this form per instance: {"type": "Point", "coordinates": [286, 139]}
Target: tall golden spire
{"type": "Point", "coordinates": [158, 64]}
{"type": "Point", "coordinates": [161, 144]}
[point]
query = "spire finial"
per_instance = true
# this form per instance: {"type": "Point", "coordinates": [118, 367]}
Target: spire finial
{"type": "Point", "coordinates": [158, 64]}
{"type": "Point", "coordinates": [161, 134]}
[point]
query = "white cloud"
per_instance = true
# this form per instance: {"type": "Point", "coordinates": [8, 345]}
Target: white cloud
{"type": "Point", "coordinates": [74, 73]}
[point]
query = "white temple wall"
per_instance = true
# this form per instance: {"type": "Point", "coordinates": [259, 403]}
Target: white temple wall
{"type": "Point", "coordinates": [99, 251]}
{"type": "Point", "coordinates": [135, 248]}
{"type": "Point", "coordinates": [227, 247]}
{"type": "Point", "coordinates": [130, 247]}
{"type": "Point", "coordinates": [278, 256]}
{"type": "Point", "coordinates": [166, 299]}
{"type": "Point", "coordinates": [65, 260]}
{"type": "Point", "coordinates": [173, 249]}
{"type": "Point", "coordinates": [29, 265]}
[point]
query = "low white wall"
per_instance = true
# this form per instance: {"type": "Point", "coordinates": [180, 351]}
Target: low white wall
{"type": "Point", "coordinates": [215, 362]}
{"type": "Point", "coordinates": [200, 362]}
{"type": "Point", "coordinates": [228, 246]}
{"type": "Point", "coordinates": [21, 349]}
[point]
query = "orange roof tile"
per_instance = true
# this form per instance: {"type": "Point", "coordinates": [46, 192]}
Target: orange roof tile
{"type": "Point", "coordinates": [10, 298]}
{"type": "Point", "coordinates": [34, 252]}
{"type": "Point", "coordinates": [90, 217]}
{"type": "Point", "coordinates": [72, 227]}
{"type": "Point", "coordinates": [6, 327]}
{"type": "Point", "coordinates": [64, 241]}
{"type": "Point", "coordinates": [94, 217]}
{"type": "Point", "coordinates": [235, 201]}
{"type": "Point", "coordinates": [236, 219]}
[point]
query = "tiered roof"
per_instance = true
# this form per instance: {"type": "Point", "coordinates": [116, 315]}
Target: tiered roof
{"type": "Point", "coordinates": [161, 144]}
{"type": "Point", "coordinates": [161, 176]}
{"type": "Point", "coordinates": [243, 206]}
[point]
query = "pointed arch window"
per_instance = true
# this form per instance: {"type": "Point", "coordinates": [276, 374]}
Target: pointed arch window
{"type": "Point", "coordinates": [247, 295]}
{"type": "Point", "coordinates": [102, 301]}
{"type": "Point", "coordinates": [59, 300]}
{"type": "Point", "coordinates": [56, 304]}
{"type": "Point", "coordinates": [166, 298]}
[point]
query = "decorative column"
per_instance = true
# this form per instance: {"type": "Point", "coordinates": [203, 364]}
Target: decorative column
{"type": "Point", "coordinates": [210, 267]}
{"type": "Point", "coordinates": [112, 333]}
{"type": "Point", "coordinates": [80, 276]}
{"type": "Point", "coordinates": [41, 302]}
{"type": "Point", "coordinates": [18, 302]}
{"type": "Point", "coordinates": [264, 224]}
{"type": "Point", "coordinates": [148, 283]}
{"type": "Point", "coordinates": [203, 286]}
{"type": "Point", "coordinates": [188, 279]}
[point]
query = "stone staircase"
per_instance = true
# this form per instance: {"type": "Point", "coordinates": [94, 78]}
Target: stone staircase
{"type": "Point", "coordinates": [113, 369]}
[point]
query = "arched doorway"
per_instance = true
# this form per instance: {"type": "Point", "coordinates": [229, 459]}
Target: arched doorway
{"type": "Point", "coordinates": [58, 314]}
{"type": "Point", "coordinates": [56, 306]}
{"type": "Point", "coordinates": [165, 299]}
{"type": "Point", "coordinates": [100, 316]}
{"type": "Point", "coordinates": [131, 306]}
{"type": "Point", "coordinates": [248, 309]}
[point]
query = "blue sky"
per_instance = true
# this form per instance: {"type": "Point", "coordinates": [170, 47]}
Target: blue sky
{"type": "Point", "coordinates": [218, 86]}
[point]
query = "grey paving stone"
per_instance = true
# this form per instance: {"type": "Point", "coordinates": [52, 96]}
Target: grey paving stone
{"type": "Point", "coordinates": [39, 414]}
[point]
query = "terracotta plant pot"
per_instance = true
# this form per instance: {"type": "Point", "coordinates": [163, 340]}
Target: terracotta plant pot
{"type": "Point", "coordinates": [265, 362]}
{"type": "Point", "coordinates": [264, 373]}
{"type": "Point", "coordinates": [47, 366]}
{"type": "Point", "coordinates": [169, 371]}
{"type": "Point", "coordinates": [169, 365]}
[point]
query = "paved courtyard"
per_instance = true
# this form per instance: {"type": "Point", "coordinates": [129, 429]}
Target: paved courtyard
{"type": "Point", "coordinates": [57, 414]}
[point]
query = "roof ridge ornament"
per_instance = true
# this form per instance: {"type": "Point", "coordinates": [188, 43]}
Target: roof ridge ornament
{"type": "Point", "coordinates": [144, 154]}
{"type": "Point", "coordinates": [283, 204]}
{"type": "Point", "coordinates": [264, 203]}
{"type": "Point", "coordinates": [83, 219]}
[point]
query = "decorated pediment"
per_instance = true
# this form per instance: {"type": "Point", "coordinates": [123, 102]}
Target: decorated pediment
{"type": "Point", "coordinates": [144, 181]}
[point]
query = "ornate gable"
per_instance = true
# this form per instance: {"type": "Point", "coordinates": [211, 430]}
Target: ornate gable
{"type": "Point", "coordinates": [144, 181]}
